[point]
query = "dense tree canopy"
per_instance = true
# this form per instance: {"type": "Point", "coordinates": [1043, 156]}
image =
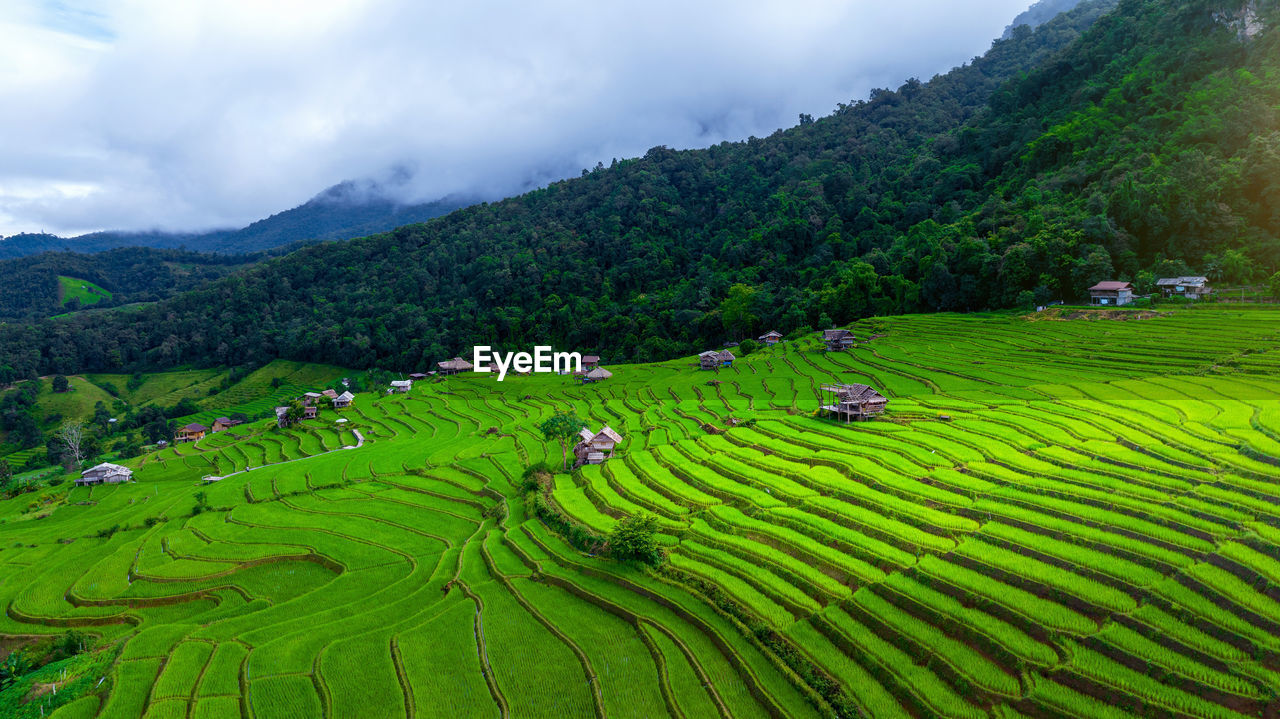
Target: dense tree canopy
{"type": "Point", "coordinates": [1098, 145]}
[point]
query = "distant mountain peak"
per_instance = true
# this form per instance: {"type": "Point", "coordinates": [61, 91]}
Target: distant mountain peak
{"type": "Point", "coordinates": [1040, 13]}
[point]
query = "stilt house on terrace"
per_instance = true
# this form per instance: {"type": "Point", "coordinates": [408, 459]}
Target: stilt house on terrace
{"type": "Point", "coordinates": [401, 385]}
{"type": "Point", "coordinates": [837, 340]}
{"type": "Point", "coordinates": [590, 361]}
{"type": "Point", "coordinates": [725, 358]}
{"type": "Point", "coordinates": [772, 337]}
{"type": "Point", "coordinates": [417, 376]}
{"type": "Point", "coordinates": [852, 401]}
{"type": "Point", "coordinates": [1192, 288]}
{"type": "Point", "coordinates": [709, 360]}
{"type": "Point", "coordinates": [1111, 293]}
{"type": "Point", "coordinates": [105, 473]}
{"type": "Point", "coordinates": [343, 400]}
{"type": "Point", "coordinates": [454, 366]}
{"type": "Point", "coordinates": [594, 448]}
{"type": "Point", "coordinates": [190, 432]}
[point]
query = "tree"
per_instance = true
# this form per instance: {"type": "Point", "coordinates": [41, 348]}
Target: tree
{"type": "Point", "coordinates": [1274, 284]}
{"type": "Point", "coordinates": [735, 310]}
{"type": "Point", "coordinates": [562, 426]}
{"type": "Point", "coordinates": [6, 475]}
{"type": "Point", "coordinates": [633, 540]}
{"type": "Point", "coordinates": [60, 383]}
{"type": "Point", "coordinates": [71, 436]}
{"type": "Point", "coordinates": [1236, 266]}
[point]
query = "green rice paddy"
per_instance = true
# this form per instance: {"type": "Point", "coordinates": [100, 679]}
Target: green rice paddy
{"type": "Point", "coordinates": [1054, 518]}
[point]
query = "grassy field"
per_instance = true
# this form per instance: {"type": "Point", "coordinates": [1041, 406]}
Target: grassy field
{"type": "Point", "coordinates": [1054, 518]}
{"type": "Point", "coordinates": [162, 388]}
{"type": "Point", "coordinates": [71, 288]}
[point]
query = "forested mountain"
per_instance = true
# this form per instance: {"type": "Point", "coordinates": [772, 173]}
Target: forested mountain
{"type": "Point", "coordinates": [1097, 145]}
{"type": "Point", "coordinates": [131, 274]}
{"type": "Point", "coordinates": [341, 212]}
{"type": "Point", "coordinates": [1040, 12]}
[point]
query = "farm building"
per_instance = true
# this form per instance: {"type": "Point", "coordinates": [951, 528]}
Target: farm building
{"type": "Point", "coordinates": [596, 375]}
{"type": "Point", "coordinates": [190, 432]}
{"type": "Point", "coordinates": [343, 400]}
{"type": "Point", "coordinates": [401, 385]}
{"type": "Point", "coordinates": [310, 396]}
{"type": "Point", "coordinates": [837, 340]}
{"type": "Point", "coordinates": [330, 393]}
{"type": "Point", "coordinates": [725, 358]}
{"type": "Point", "coordinates": [709, 360]}
{"type": "Point", "coordinates": [594, 448]}
{"type": "Point", "coordinates": [852, 401]}
{"type": "Point", "coordinates": [772, 337]}
{"type": "Point", "coordinates": [417, 376]}
{"type": "Point", "coordinates": [590, 361]}
{"type": "Point", "coordinates": [454, 366]}
{"type": "Point", "coordinates": [105, 473]}
{"type": "Point", "coordinates": [1192, 288]}
{"type": "Point", "coordinates": [1111, 292]}
{"type": "Point", "coordinates": [309, 411]}
{"type": "Point", "coordinates": [224, 423]}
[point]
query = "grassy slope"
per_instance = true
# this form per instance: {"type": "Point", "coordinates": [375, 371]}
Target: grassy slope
{"type": "Point", "coordinates": [1017, 555]}
{"type": "Point", "coordinates": [163, 388]}
{"type": "Point", "coordinates": [88, 293]}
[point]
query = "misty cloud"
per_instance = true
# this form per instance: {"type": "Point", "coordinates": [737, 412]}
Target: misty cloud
{"type": "Point", "coordinates": [140, 114]}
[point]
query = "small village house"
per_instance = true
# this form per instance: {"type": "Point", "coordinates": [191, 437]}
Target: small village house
{"type": "Point", "coordinates": [709, 360]}
{"type": "Point", "coordinates": [1192, 288]}
{"type": "Point", "coordinates": [772, 337]}
{"type": "Point", "coordinates": [330, 393]}
{"type": "Point", "coordinates": [190, 432]}
{"type": "Point", "coordinates": [222, 424]}
{"type": "Point", "coordinates": [852, 401]}
{"type": "Point", "coordinates": [343, 400]}
{"type": "Point", "coordinates": [725, 358]}
{"type": "Point", "coordinates": [309, 411]}
{"type": "Point", "coordinates": [454, 366]}
{"type": "Point", "coordinates": [401, 385]}
{"type": "Point", "coordinates": [1111, 293]}
{"type": "Point", "coordinates": [590, 361]}
{"type": "Point", "coordinates": [837, 340]}
{"type": "Point", "coordinates": [105, 473]}
{"type": "Point", "coordinates": [417, 376]}
{"type": "Point", "coordinates": [595, 447]}
{"type": "Point", "coordinates": [310, 404]}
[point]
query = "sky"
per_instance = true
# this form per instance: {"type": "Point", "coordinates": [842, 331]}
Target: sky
{"type": "Point", "coordinates": [199, 114]}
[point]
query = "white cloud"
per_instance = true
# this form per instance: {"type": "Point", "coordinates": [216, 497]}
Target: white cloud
{"type": "Point", "coordinates": [187, 115]}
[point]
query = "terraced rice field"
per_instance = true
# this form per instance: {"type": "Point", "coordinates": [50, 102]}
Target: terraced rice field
{"type": "Point", "coordinates": [1054, 518]}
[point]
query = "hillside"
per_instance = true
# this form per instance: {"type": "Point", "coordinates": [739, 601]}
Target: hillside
{"type": "Point", "coordinates": [346, 210]}
{"type": "Point", "coordinates": [35, 286]}
{"type": "Point", "coordinates": [1050, 520]}
{"type": "Point", "coordinates": [1134, 146]}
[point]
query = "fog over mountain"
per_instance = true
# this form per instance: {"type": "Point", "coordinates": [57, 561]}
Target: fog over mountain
{"type": "Point", "coordinates": [145, 115]}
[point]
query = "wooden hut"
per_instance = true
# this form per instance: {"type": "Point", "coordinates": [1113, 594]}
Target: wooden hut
{"type": "Point", "coordinates": [105, 473]}
{"type": "Point", "coordinates": [401, 385]}
{"type": "Point", "coordinates": [330, 393]}
{"type": "Point", "coordinates": [837, 340]}
{"type": "Point", "coordinates": [852, 401]}
{"type": "Point", "coordinates": [1111, 293]}
{"type": "Point", "coordinates": [224, 423]}
{"type": "Point", "coordinates": [1192, 288]}
{"type": "Point", "coordinates": [596, 375]}
{"type": "Point", "coordinates": [595, 447]}
{"type": "Point", "coordinates": [190, 432]}
{"type": "Point", "coordinates": [590, 361]}
{"type": "Point", "coordinates": [725, 358]}
{"type": "Point", "coordinates": [772, 337]}
{"type": "Point", "coordinates": [709, 360]}
{"type": "Point", "coordinates": [454, 366]}
{"type": "Point", "coordinates": [343, 400]}
{"type": "Point", "coordinates": [417, 376]}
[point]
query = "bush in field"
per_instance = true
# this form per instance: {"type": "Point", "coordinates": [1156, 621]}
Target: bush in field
{"type": "Point", "coordinates": [632, 540]}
